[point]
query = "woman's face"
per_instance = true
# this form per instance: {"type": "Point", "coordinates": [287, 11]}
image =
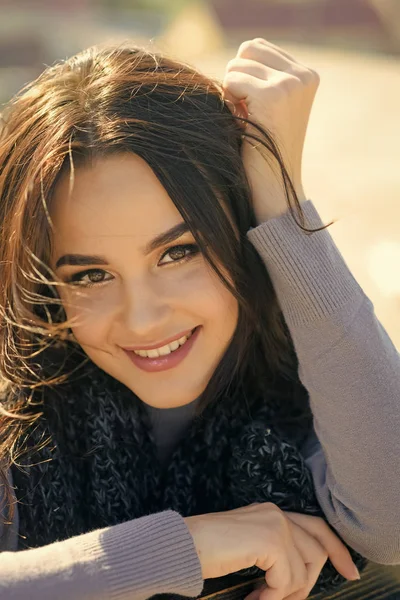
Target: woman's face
{"type": "Point", "coordinates": [129, 289]}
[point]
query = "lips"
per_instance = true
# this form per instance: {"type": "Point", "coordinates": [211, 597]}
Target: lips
{"type": "Point", "coordinates": [160, 344]}
{"type": "Point", "coordinates": [162, 363]}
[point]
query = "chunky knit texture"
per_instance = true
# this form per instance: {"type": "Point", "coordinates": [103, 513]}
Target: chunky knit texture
{"type": "Point", "coordinates": [100, 466]}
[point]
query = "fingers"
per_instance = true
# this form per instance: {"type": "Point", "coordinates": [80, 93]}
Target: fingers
{"type": "Point", "coordinates": [252, 67]}
{"type": "Point", "coordinates": [277, 48]}
{"type": "Point", "coordinates": [261, 69]}
{"type": "Point", "coordinates": [246, 87]}
{"type": "Point", "coordinates": [278, 578]}
{"type": "Point", "coordinates": [298, 567]}
{"type": "Point", "coordinates": [337, 552]}
{"type": "Point", "coordinates": [240, 77]}
{"type": "Point", "coordinates": [305, 564]}
{"type": "Point", "coordinates": [255, 595]}
{"type": "Point", "coordinates": [314, 556]}
{"type": "Point", "coordinates": [265, 53]}
{"type": "Point", "coordinates": [239, 84]}
{"type": "Point", "coordinates": [297, 596]}
{"type": "Point", "coordinates": [287, 575]}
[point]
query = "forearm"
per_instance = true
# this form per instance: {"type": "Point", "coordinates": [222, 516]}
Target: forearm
{"type": "Point", "coordinates": [137, 559]}
{"type": "Point", "coordinates": [354, 394]}
{"type": "Point", "coordinates": [352, 373]}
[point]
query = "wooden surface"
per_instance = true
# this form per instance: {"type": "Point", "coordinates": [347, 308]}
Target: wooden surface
{"type": "Point", "coordinates": [377, 583]}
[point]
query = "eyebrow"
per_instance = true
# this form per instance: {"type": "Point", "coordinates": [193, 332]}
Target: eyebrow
{"type": "Point", "coordinates": [83, 260]}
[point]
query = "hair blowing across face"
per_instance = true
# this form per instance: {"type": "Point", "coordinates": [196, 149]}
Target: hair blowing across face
{"type": "Point", "coordinates": [112, 100]}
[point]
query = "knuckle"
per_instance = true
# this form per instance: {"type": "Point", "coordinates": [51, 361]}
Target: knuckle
{"type": "Point", "coordinates": [277, 521]}
{"type": "Point", "coordinates": [272, 507]}
{"type": "Point", "coordinates": [311, 77]}
{"type": "Point", "coordinates": [244, 47]}
{"type": "Point", "coordinates": [249, 45]}
{"type": "Point", "coordinates": [320, 522]}
{"type": "Point", "coordinates": [280, 521]}
{"type": "Point", "coordinates": [231, 65]}
{"type": "Point", "coordinates": [291, 83]}
{"type": "Point", "coordinates": [252, 507]}
{"type": "Point", "coordinates": [231, 78]}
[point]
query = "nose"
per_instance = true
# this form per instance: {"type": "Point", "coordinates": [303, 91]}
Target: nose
{"type": "Point", "coordinates": [145, 313]}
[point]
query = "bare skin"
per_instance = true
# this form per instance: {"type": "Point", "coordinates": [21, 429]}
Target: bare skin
{"type": "Point", "coordinates": [266, 84]}
{"type": "Point", "coordinates": [140, 299]}
{"type": "Point", "coordinates": [291, 548]}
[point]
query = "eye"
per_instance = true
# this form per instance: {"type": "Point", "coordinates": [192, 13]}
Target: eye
{"type": "Point", "coordinates": [179, 253]}
{"type": "Point", "coordinates": [89, 278]}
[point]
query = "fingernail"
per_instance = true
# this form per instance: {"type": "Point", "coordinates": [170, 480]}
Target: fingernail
{"type": "Point", "coordinates": [356, 573]}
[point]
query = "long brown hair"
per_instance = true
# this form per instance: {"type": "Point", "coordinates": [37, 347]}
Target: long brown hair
{"type": "Point", "coordinates": [111, 100]}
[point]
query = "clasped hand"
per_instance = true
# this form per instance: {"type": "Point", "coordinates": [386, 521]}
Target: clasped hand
{"type": "Point", "coordinates": [290, 547]}
{"type": "Point", "coordinates": [275, 91]}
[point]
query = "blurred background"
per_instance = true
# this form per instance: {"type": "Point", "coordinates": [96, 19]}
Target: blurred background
{"type": "Point", "coordinates": [352, 152]}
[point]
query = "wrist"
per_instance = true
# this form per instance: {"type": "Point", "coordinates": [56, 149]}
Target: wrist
{"type": "Point", "coordinates": [271, 208]}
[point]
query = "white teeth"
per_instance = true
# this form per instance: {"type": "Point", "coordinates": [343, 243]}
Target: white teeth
{"type": "Point", "coordinates": [174, 345]}
{"type": "Point", "coordinates": [164, 350]}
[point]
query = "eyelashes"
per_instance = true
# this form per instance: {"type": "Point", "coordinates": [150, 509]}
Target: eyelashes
{"type": "Point", "coordinates": [182, 252]}
{"type": "Point", "coordinates": [89, 278]}
{"type": "Point", "coordinates": [95, 277]}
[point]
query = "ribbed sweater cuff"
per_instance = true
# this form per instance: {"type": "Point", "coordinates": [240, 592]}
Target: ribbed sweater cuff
{"type": "Point", "coordinates": [151, 555]}
{"type": "Point", "coordinates": [310, 276]}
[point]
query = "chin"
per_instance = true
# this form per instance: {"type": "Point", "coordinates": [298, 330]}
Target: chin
{"type": "Point", "coordinates": [169, 402]}
{"type": "Point", "coordinates": [173, 399]}
{"type": "Point", "coordinates": [159, 394]}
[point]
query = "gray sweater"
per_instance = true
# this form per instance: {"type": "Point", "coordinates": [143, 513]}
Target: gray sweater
{"type": "Point", "coordinates": [351, 370]}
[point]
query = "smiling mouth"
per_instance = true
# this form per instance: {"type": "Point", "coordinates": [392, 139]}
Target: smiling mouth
{"type": "Point", "coordinates": [166, 349]}
{"type": "Point", "coordinates": [165, 357]}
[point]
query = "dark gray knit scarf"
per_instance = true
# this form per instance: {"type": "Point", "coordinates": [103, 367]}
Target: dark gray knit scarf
{"type": "Point", "coordinates": [104, 469]}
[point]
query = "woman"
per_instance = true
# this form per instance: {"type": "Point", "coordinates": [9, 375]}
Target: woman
{"type": "Point", "coordinates": [163, 305]}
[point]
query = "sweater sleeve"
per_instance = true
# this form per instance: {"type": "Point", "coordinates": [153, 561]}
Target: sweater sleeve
{"type": "Point", "coordinates": [351, 370]}
{"type": "Point", "coordinates": [134, 560]}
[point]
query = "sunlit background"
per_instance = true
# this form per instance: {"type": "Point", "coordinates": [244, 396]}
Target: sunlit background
{"type": "Point", "coordinates": [352, 155]}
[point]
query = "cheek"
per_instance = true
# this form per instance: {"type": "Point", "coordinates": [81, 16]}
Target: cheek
{"type": "Point", "coordinates": [208, 296]}
{"type": "Point", "coordinates": [96, 315]}
{"type": "Point", "coordinates": [90, 315]}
